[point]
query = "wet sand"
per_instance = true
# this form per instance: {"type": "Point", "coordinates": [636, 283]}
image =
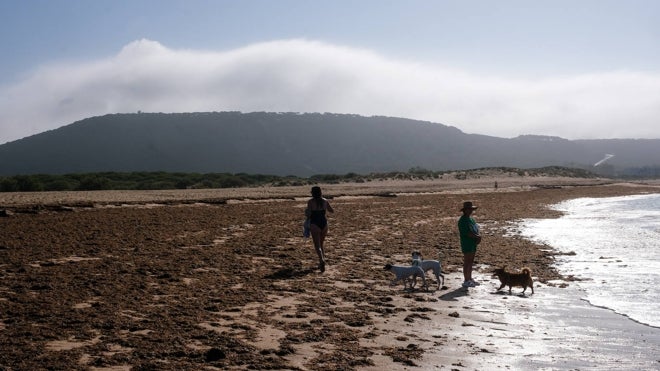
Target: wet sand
{"type": "Point", "coordinates": [223, 279]}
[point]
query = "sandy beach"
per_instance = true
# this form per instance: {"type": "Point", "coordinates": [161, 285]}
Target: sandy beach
{"type": "Point", "coordinates": [223, 279]}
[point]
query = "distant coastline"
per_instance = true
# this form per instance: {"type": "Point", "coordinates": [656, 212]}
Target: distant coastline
{"type": "Point", "coordinates": [478, 180]}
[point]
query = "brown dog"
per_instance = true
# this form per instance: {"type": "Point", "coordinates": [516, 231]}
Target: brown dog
{"type": "Point", "coordinates": [523, 279]}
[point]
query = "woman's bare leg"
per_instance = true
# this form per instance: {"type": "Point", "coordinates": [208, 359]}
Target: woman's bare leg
{"type": "Point", "coordinates": [318, 236]}
{"type": "Point", "coordinates": [324, 232]}
{"type": "Point", "coordinates": [468, 259]}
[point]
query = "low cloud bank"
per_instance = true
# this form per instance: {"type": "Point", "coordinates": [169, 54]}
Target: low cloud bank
{"type": "Point", "coordinates": [311, 76]}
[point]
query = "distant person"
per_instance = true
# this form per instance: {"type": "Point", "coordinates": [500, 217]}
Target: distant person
{"type": "Point", "coordinates": [468, 230]}
{"type": "Point", "coordinates": [317, 207]}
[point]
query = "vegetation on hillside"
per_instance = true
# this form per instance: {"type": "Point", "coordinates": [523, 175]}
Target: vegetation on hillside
{"type": "Point", "coordinates": [165, 180]}
{"type": "Point", "coordinates": [300, 144]}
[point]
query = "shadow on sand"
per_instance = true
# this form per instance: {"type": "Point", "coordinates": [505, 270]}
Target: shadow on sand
{"type": "Point", "coordinates": [290, 273]}
{"type": "Point", "coordinates": [455, 294]}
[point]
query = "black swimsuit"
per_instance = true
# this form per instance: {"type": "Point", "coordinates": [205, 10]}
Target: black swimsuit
{"type": "Point", "coordinates": [318, 218]}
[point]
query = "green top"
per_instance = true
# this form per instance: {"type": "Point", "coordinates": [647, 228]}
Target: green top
{"type": "Point", "coordinates": [466, 225]}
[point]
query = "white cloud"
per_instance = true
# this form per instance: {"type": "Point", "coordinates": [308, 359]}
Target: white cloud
{"type": "Point", "coordinates": [309, 76]}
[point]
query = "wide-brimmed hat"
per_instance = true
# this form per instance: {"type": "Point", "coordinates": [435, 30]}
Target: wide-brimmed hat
{"type": "Point", "coordinates": [468, 205]}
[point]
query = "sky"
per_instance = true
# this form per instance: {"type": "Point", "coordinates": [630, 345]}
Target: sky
{"type": "Point", "coordinates": [577, 69]}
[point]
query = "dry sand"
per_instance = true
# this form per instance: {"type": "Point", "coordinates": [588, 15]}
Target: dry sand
{"type": "Point", "coordinates": [222, 279]}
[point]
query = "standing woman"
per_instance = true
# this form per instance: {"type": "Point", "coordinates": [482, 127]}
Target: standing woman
{"type": "Point", "coordinates": [317, 206]}
{"type": "Point", "coordinates": [470, 237]}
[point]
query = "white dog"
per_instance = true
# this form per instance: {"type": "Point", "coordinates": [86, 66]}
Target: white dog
{"type": "Point", "coordinates": [428, 265]}
{"type": "Point", "coordinates": [406, 273]}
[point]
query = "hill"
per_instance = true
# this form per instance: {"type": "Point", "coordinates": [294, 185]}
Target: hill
{"type": "Point", "coordinates": [298, 144]}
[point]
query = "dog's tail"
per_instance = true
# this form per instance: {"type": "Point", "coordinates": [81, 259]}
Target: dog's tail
{"type": "Point", "coordinates": [527, 271]}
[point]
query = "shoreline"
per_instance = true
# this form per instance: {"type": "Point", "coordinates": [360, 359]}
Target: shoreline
{"type": "Point", "coordinates": [234, 285]}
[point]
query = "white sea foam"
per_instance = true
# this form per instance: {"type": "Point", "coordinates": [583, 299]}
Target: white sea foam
{"type": "Point", "coordinates": [617, 251]}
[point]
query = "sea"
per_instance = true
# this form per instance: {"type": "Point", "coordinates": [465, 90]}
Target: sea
{"type": "Point", "coordinates": [612, 246]}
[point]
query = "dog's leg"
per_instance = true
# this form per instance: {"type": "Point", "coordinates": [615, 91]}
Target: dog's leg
{"type": "Point", "coordinates": [405, 278]}
{"type": "Point", "coordinates": [437, 277]}
{"type": "Point", "coordinates": [424, 284]}
{"type": "Point", "coordinates": [412, 279]}
{"type": "Point", "coordinates": [501, 287]}
{"type": "Point", "coordinates": [420, 272]}
{"type": "Point", "coordinates": [438, 274]}
{"type": "Point", "coordinates": [509, 289]}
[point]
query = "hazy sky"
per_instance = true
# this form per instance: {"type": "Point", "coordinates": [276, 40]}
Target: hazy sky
{"type": "Point", "coordinates": [575, 69]}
